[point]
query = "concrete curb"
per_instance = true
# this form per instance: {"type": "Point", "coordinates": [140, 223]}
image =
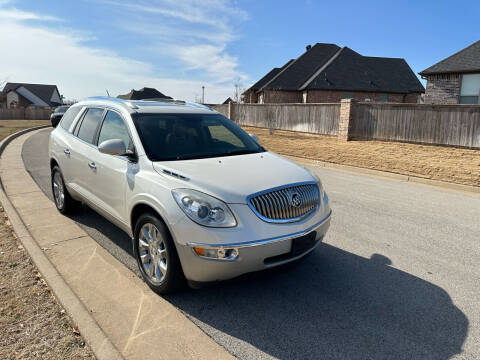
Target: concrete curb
{"type": "Point", "coordinates": [101, 346]}
{"type": "Point", "coordinates": [386, 174]}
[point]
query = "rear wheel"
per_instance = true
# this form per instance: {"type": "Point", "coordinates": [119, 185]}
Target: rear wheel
{"type": "Point", "coordinates": [156, 255]}
{"type": "Point", "coordinates": [63, 201]}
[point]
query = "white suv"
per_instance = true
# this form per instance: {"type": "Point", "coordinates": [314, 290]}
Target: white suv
{"type": "Point", "coordinates": [201, 198]}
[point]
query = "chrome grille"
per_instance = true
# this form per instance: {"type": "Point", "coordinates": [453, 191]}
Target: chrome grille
{"type": "Point", "coordinates": [281, 205]}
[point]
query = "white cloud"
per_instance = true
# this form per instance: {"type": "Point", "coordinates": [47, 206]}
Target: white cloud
{"type": "Point", "coordinates": [195, 32]}
{"type": "Point", "coordinates": [42, 54]}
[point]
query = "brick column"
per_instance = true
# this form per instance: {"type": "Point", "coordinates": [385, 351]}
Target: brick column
{"type": "Point", "coordinates": [345, 122]}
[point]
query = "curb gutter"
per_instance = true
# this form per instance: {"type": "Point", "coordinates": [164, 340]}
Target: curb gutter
{"type": "Point", "coordinates": [101, 346]}
{"type": "Point", "coordinates": [386, 174]}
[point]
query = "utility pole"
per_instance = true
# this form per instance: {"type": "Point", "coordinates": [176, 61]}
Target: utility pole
{"type": "Point", "coordinates": [203, 94]}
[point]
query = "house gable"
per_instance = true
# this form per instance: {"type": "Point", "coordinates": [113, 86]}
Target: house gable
{"type": "Point", "coordinates": [38, 94]}
{"type": "Point", "coordinates": [30, 96]}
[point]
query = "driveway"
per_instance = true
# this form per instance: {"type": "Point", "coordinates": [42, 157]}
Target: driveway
{"type": "Point", "coordinates": [397, 277]}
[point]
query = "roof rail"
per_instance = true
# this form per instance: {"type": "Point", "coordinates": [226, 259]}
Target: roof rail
{"type": "Point", "coordinates": [113, 99]}
{"type": "Point", "coordinates": [193, 104]}
{"type": "Point", "coordinates": [133, 103]}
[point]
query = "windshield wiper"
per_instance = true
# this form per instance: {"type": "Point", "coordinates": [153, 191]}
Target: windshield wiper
{"type": "Point", "coordinates": [240, 152]}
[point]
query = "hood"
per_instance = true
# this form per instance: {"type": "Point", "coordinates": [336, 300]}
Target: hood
{"type": "Point", "coordinates": [233, 178]}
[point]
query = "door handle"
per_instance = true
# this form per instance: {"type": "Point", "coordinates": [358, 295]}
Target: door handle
{"type": "Point", "coordinates": [66, 151]}
{"type": "Point", "coordinates": [92, 165]}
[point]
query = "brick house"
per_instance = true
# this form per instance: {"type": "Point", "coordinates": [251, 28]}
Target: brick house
{"type": "Point", "coordinates": [456, 79]}
{"type": "Point", "coordinates": [17, 95]}
{"type": "Point", "coordinates": [327, 73]}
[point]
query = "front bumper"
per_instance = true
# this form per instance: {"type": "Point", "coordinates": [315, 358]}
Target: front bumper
{"type": "Point", "coordinates": [252, 255]}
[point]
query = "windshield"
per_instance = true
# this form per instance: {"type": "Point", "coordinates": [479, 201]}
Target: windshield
{"type": "Point", "coordinates": [191, 136]}
{"type": "Point", "coordinates": [61, 109]}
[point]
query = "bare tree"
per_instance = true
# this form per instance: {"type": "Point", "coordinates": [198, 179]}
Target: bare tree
{"type": "Point", "coordinates": [238, 91]}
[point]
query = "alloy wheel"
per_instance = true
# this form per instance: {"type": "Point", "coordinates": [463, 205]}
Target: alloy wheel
{"type": "Point", "coordinates": [58, 190]}
{"type": "Point", "coordinates": [152, 253]}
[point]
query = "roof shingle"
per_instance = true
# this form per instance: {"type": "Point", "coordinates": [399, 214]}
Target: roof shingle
{"type": "Point", "coordinates": [464, 61]}
{"type": "Point", "coordinates": [350, 71]}
{"type": "Point", "coordinates": [296, 73]}
{"type": "Point", "coordinates": [329, 67]}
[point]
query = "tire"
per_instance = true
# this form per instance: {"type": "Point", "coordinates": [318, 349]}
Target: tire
{"type": "Point", "coordinates": [62, 199]}
{"type": "Point", "coordinates": [151, 236]}
{"type": "Point", "coordinates": [55, 121]}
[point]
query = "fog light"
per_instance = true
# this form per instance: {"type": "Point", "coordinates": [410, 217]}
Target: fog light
{"type": "Point", "coordinates": [228, 254]}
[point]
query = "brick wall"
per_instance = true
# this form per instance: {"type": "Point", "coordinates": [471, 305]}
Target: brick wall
{"type": "Point", "coordinates": [250, 97]}
{"type": "Point", "coordinates": [323, 96]}
{"type": "Point", "coordinates": [281, 97]}
{"type": "Point", "coordinates": [329, 96]}
{"type": "Point", "coordinates": [443, 89]}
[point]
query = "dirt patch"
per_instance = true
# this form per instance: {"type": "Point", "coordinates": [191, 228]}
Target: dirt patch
{"type": "Point", "coordinates": [32, 323]}
{"type": "Point", "coordinates": [449, 164]}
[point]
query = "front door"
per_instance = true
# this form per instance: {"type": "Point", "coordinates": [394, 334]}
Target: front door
{"type": "Point", "coordinates": [110, 177]}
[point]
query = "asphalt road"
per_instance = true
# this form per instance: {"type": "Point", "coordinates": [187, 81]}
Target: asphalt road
{"type": "Point", "coordinates": [397, 277]}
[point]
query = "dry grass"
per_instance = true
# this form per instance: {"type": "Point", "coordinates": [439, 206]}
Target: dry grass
{"type": "Point", "coordinates": [32, 324]}
{"type": "Point", "coordinates": [8, 127]}
{"type": "Point", "coordinates": [433, 162]}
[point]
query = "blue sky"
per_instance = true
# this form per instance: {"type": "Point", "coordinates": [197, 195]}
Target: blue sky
{"type": "Point", "coordinates": [87, 46]}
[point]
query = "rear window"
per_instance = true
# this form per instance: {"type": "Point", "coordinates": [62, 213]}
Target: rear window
{"type": "Point", "coordinates": [69, 116]}
{"type": "Point", "coordinates": [89, 125]}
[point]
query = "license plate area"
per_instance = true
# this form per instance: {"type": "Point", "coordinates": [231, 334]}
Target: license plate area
{"type": "Point", "coordinates": [303, 243]}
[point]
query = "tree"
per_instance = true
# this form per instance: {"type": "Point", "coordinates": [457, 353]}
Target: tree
{"type": "Point", "coordinates": [238, 91]}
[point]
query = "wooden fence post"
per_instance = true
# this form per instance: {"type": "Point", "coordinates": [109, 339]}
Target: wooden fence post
{"type": "Point", "coordinates": [229, 111]}
{"type": "Point", "coordinates": [347, 107]}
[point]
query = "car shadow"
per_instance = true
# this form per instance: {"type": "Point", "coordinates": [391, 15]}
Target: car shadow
{"type": "Point", "coordinates": [333, 305]}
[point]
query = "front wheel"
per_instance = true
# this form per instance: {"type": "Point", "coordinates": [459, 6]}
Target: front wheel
{"type": "Point", "coordinates": [156, 255]}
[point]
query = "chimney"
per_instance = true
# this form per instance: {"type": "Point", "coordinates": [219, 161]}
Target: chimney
{"type": "Point", "coordinates": [308, 47]}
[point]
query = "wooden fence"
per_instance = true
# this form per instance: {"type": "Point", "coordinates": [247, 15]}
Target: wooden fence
{"type": "Point", "coordinates": [25, 114]}
{"type": "Point", "coordinates": [457, 125]}
{"type": "Point", "coordinates": [311, 118]}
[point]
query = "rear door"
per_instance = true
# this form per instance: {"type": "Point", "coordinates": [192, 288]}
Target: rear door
{"type": "Point", "coordinates": [83, 151]}
{"type": "Point", "coordinates": [60, 143]}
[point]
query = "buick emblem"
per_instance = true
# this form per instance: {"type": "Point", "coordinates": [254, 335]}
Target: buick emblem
{"type": "Point", "coordinates": [295, 199]}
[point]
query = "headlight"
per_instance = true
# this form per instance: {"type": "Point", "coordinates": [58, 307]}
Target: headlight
{"type": "Point", "coordinates": [204, 209]}
{"type": "Point", "coordinates": [319, 183]}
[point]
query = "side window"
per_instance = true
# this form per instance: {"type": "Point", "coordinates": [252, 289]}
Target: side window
{"type": "Point", "coordinates": [348, 95]}
{"type": "Point", "coordinates": [383, 97]}
{"type": "Point", "coordinates": [69, 116]}
{"type": "Point", "coordinates": [114, 128]}
{"type": "Point", "coordinates": [89, 125]}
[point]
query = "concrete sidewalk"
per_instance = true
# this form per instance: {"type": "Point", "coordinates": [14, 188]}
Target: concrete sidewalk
{"type": "Point", "coordinates": [138, 322]}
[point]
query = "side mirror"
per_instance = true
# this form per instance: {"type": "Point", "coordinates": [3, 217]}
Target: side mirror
{"type": "Point", "coordinates": [112, 147]}
{"type": "Point", "coordinates": [254, 137]}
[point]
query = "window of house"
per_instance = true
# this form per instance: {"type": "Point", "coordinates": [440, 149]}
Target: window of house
{"type": "Point", "coordinates": [347, 95]}
{"type": "Point", "coordinates": [470, 91]}
{"type": "Point", "coordinates": [89, 125]}
{"type": "Point", "coordinates": [113, 127]}
{"type": "Point", "coordinates": [383, 97]}
{"type": "Point", "coordinates": [69, 116]}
